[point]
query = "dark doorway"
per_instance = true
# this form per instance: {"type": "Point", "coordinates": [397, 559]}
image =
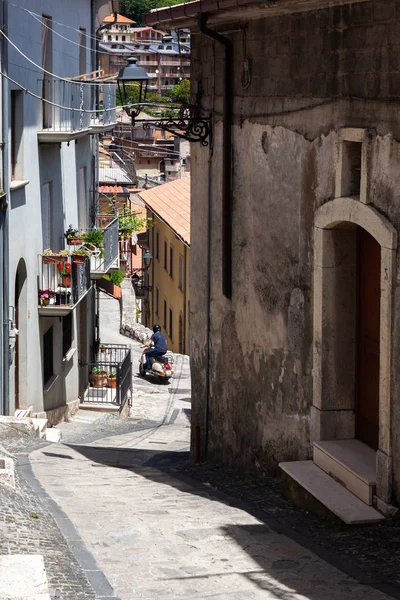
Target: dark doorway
{"type": "Point", "coordinates": [369, 297]}
{"type": "Point", "coordinates": [20, 301]}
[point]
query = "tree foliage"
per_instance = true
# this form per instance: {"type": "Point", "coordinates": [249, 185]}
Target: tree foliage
{"type": "Point", "coordinates": [135, 9]}
{"type": "Point", "coordinates": [181, 92]}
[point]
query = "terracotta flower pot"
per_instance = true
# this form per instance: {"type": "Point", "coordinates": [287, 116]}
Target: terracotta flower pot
{"type": "Point", "coordinates": [112, 382]}
{"type": "Point", "coordinates": [75, 241]}
{"type": "Point", "coordinates": [97, 380]}
{"type": "Point", "coordinates": [78, 258]}
{"type": "Point", "coordinates": [66, 281]}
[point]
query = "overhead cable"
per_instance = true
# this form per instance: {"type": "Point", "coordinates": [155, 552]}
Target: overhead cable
{"type": "Point", "coordinates": [79, 110]}
{"type": "Point", "coordinates": [45, 70]}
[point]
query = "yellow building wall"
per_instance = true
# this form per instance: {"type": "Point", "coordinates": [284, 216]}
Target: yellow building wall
{"type": "Point", "coordinates": [169, 291]}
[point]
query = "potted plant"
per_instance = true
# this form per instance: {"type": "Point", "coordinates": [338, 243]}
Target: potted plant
{"type": "Point", "coordinates": [50, 257]}
{"type": "Point", "coordinates": [112, 379]}
{"type": "Point", "coordinates": [112, 283]}
{"type": "Point", "coordinates": [95, 237]}
{"type": "Point", "coordinates": [103, 348]}
{"type": "Point", "coordinates": [64, 269]}
{"type": "Point", "coordinates": [97, 377]}
{"type": "Point", "coordinates": [73, 236]}
{"type": "Point", "coordinates": [79, 255]}
{"type": "Point", "coordinates": [45, 296]}
{"type": "Point", "coordinates": [63, 296]}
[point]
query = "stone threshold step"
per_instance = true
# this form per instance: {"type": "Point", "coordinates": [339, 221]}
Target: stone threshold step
{"type": "Point", "coordinates": [351, 462]}
{"type": "Point", "coordinates": [330, 493]}
{"type": "Point", "coordinates": [99, 406]}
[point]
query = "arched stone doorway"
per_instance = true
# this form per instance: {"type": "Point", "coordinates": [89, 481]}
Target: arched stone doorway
{"type": "Point", "coordinates": [353, 265]}
{"type": "Point", "coordinates": [21, 351]}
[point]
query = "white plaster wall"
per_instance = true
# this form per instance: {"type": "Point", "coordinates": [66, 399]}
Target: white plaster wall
{"type": "Point", "coordinates": [43, 163]}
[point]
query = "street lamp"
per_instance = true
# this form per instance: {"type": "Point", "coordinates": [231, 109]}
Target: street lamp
{"type": "Point", "coordinates": [147, 258]}
{"type": "Point", "coordinates": [132, 78]}
{"type": "Point", "coordinates": [185, 120]}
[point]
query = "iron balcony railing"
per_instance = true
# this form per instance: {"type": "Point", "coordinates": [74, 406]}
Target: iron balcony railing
{"type": "Point", "coordinates": [109, 375]}
{"type": "Point", "coordinates": [62, 290]}
{"type": "Point", "coordinates": [104, 253]}
{"type": "Point", "coordinates": [75, 100]}
{"type": "Point", "coordinates": [108, 102]}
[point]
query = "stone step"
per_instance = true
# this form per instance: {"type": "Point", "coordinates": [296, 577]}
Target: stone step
{"type": "Point", "coordinates": [39, 426]}
{"type": "Point", "coordinates": [330, 493]}
{"type": "Point", "coordinates": [99, 406]}
{"type": "Point", "coordinates": [23, 577]}
{"type": "Point", "coordinates": [350, 462]}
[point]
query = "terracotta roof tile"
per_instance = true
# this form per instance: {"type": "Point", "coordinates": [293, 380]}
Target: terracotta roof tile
{"type": "Point", "coordinates": [120, 19]}
{"type": "Point", "coordinates": [171, 203]}
{"type": "Point", "coordinates": [114, 190]}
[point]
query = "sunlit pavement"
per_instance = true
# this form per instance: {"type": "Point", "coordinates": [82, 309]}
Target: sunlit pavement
{"type": "Point", "coordinates": [156, 535]}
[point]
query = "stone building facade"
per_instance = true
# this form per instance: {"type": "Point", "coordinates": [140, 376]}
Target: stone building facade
{"type": "Point", "coordinates": [307, 347]}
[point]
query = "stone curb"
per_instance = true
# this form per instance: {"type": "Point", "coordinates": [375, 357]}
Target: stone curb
{"type": "Point", "coordinates": [86, 560]}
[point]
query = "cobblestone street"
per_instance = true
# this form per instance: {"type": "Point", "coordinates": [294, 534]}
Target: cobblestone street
{"type": "Point", "coordinates": [119, 513]}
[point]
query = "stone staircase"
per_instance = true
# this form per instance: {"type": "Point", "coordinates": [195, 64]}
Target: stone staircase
{"type": "Point", "coordinates": [342, 477]}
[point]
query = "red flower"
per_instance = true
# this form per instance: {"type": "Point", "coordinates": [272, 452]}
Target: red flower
{"type": "Point", "coordinates": [68, 270]}
{"type": "Point", "coordinates": [67, 264]}
{"type": "Point", "coordinates": [59, 266]}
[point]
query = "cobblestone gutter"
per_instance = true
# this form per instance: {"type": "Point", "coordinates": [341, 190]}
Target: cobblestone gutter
{"type": "Point", "coordinates": [26, 527]}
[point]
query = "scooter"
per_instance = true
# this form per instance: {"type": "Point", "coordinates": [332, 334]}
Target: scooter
{"type": "Point", "coordinates": [161, 366]}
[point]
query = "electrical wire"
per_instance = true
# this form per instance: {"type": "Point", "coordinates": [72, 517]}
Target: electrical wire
{"type": "Point", "coordinates": [69, 108]}
{"type": "Point", "coordinates": [144, 148]}
{"type": "Point", "coordinates": [42, 69]}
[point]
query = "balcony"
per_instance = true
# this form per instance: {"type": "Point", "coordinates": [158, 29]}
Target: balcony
{"type": "Point", "coordinates": [100, 244]}
{"type": "Point", "coordinates": [147, 63]}
{"type": "Point", "coordinates": [69, 120]}
{"type": "Point", "coordinates": [72, 118]}
{"type": "Point", "coordinates": [60, 294]}
{"type": "Point", "coordinates": [105, 121]}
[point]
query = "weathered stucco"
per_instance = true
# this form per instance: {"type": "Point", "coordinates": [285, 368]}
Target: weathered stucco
{"type": "Point", "coordinates": [286, 132]}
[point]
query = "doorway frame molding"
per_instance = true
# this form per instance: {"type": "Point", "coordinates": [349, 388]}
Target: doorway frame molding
{"type": "Point", "coordinates": [326, 423]}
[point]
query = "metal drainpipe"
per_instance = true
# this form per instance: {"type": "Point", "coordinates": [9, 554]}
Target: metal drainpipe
{"type": "Point", "coordinates": [6, 186]}
{"type": "Point", "coordinates": [185, 336]}
{"type": "Point", "coordinates": [226, 208]}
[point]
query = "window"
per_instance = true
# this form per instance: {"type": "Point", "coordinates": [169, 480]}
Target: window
{"type": "Point", "coordinates": [171, 320]}
{"type": "Point", "coordinates": [82, 199]}
{"type": "Point", "coordinates": [82, 50]}
{"type": "Point", "coordinates": [67, 333]}
{"type": "Point", "coordinates": [116, 38]}
{"type": "Point", "coordinates": [123, 38]}
{"type": "Point", "coordinates": [47, 63]}
{"type": "Point", "coordinates": [47, 215]}
{"type": "Point", "coordinates": [165, 315]}
{"type": "Point", "coordinates": [157, 300]}
{"type": "Point", "coordinates": [157, 245]}
{"type": "Point", "coordinates": [166, 255]}
{"type": "Point", "coordinates": [48, 355]}
{"type": "Point", "coordinates": [17, 128]}
{"type": "Point", "coordinates": [148, 162]}
{"type": "Point", "coordinates": [181, 275]}
{"type": "Point", "coordinates": [109, 38]}
{"type": "Point", "coordinates": [171, 262]}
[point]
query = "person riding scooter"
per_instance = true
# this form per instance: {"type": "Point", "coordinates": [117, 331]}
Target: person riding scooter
{"type": "Point", "coordinates": [156, 346]}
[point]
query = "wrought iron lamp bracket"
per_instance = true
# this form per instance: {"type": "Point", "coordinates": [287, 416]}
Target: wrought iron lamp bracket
{"type": "Point", "coordinates": [188, 124]}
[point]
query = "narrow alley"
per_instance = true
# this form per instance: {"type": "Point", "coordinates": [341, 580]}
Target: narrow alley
{"type": "Point", "coordinates": [141, 529]}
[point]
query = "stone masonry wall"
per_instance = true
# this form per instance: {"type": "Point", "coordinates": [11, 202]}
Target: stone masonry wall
{"type": "Point", "coordinates": [312, 74]}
